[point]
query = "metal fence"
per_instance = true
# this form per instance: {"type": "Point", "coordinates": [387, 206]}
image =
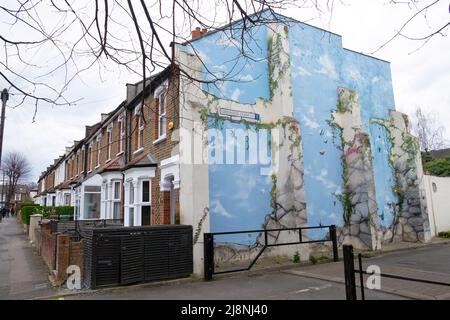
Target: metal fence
{"type": "Point", "coordinates": [350, 279]}
{"type": "Point", "coordinates": [208, 243]}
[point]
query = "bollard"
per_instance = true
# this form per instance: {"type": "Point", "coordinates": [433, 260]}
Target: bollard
{"type": "Point", "coordinates": [349, 271]}
{"type": "Point", "coordinates": [208, 256]}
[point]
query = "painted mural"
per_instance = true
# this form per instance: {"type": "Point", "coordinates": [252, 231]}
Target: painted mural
{"type": "Point", "coordinates": [342, 166]}
{"type": "Point", "coordinates": [239, 188]}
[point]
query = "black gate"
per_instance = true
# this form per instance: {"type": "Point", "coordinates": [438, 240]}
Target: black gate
{"type": "Point", "coordinates": [208, 246]}
{"type": "Point", "coordinates": [120, 256]}
{"type": "Point", "coordinates": [350, 272]}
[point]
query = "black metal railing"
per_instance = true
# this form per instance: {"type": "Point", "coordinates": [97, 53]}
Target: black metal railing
{"type": "Point", "coordinates": [208, 246]}
{"type": "Point", "coordinates": [350, 271]}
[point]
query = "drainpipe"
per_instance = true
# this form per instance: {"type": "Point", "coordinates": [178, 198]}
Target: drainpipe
{"type": "Point", "coordinates": [430, 187]}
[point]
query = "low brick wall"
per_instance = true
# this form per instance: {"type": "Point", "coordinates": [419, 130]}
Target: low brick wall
{"type": "Point", "coordinates": [38, 240]}
{"type": "Point", "coordinates": [48, 246]}
{"type": "Point", "coordinates": [58, 251]}
{"type": "Point", "coordinates": [77, 254]}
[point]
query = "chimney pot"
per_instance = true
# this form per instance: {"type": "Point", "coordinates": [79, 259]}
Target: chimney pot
{"type": "Point", "coordinates": [198, 32]}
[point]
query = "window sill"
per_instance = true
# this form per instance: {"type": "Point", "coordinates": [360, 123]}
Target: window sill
{"type": "Point", "coordinates": [160, 139]}
{"type": "Point", "coordinates": [139, 150]}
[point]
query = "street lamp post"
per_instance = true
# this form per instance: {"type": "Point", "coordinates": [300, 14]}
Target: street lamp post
{"type": "Point", "coordinates": [4, 97]}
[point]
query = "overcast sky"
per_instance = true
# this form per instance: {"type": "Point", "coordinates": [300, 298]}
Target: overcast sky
{"type": "Point", "coordinates": [421, 78]}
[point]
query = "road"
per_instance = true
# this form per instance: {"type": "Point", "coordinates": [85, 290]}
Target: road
{"type": "Point", "coordinates": [23, 275]}
{"type": "Point", "coordinates": [317, 282]}
{"type": "Point", "coordinates": [272, 285]}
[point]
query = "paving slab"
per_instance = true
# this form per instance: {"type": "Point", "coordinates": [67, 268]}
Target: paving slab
{"type": "Point", "coordinates": [23, 274]}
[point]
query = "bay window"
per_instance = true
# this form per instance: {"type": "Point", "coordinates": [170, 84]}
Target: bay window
{"type": "Point", "coordinates": [92, 198]}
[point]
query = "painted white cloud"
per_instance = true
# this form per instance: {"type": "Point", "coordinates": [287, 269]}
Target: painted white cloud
{"type": "Point", "coordinates": [225, 40]}
{"type": "Point", "coordinates": [247, 77]}
{"type": "Point", "coordinates": [355, 75]}
{"type": "Point", "coordinates": [310, 123]}
{"type": "Point", "coordinates": [323, 178]}
{"type": "Point", "coordinates": [236, 94]}
{"type": "Point", "coordinates": [327, 67]}
{"type": "Point", "coordinates": [302, 72]}
{"type": "Point", "coordinates": [297, 52]}
{"type": "Point", "coordinates": [218, 208]}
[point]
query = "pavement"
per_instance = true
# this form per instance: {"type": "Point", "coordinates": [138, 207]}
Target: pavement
{"type": "Point", "coordinates": [23, 274]}
{"type": "Point", "coordinates": [424, 262]}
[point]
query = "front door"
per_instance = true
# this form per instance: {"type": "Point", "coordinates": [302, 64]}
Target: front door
{"type": "Point", "coordinates": [172, 203]}
{"type": "Point", "coordinates": [146, 215]}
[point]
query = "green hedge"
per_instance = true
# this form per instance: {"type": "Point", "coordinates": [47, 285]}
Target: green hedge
{"type": "Point", "coordinates": [445, 234]}
{"type": "Point", "coordinates": [28, 210]}
{"type": "Point", "coordinates": [437, 167]}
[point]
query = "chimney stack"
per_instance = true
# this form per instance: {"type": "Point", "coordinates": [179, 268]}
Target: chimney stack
{"type": "Point", "coordinates": [104, 116]}
{"type": "Point", "coordinates": [198, 32]}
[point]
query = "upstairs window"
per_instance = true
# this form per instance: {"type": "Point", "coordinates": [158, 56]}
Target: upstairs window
{"type": "Point", "coordinates": [162, 114]}
{"type": "Point", "coordinates": [109, 139]}
{"type": "Point", "coordinates": [121, 132]}
{"type": "Point", "coordinates": [82, 161]}
{"type": "Point", "coordinates": [99, 140]}
{"type": "Point", "coordinates": [90, 157]}
{"type": "Point", "coordinates": [139, 129]}
{"type": "Point", "coordinates": [77, 161]}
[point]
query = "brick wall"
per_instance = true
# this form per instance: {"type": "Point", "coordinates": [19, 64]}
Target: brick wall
{"type": "Point", "coordinates": [58, 252]}
{"type": "Point", "coordinates": [161, 150]}
{"type": "Point", "coordinates": [48, 245]}
{"type": "Point", "coordinates": [76, 254]}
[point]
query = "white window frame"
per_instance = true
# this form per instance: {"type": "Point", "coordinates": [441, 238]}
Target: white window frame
{"type": "Point", "coordinates": [109, 131]}
{"type": "Point", "coordinates": [115, 200]}
{"type": "Point", "coordinates": [82, 160]}
{"type": "Point", "coordinates": [162, 112]}
{"type": "Point", "coordinates": [130, 205]}
{"type": "Point", "coordinates": [91, 156]}
{"type": "Point", "coordinates": [99, 149]}
{"type": "Point", "coordinates": [65, 198]}
{"type": "Point", "coordinates": [121, 132]}
{"type": "Point", "coordinates": [141, 189]}
{"type": "Point", "coordinates": [85, 193]}
{"type": "Point", "coordinates": [104, 201]}
{"type": "Point", "coordinates": [140, 128]}
{"type": "Point", "coordinates": [79, 159]}
{"type": "Point", "coordinates": [141, 202]}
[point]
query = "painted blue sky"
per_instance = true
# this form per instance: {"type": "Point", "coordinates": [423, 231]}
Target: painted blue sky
{"type": "Point", "coordinates": [239, 194]}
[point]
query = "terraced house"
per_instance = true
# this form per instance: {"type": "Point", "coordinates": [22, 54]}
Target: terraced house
{"type": "Point", "coordinates": [295, 131]}
{"type": "Point", "coordinates": [114, 172]}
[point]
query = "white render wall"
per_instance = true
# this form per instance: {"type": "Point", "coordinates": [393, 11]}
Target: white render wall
{"type": "Point", "coordinates": [438, 203]}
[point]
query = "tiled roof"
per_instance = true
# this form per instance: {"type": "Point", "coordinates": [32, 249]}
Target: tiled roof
{"type": "Point", "coordinates": [113, 165]}
{"type": "Point", "coordinates": [145, 160]}
{"type": "Point", "coordinates": [442, 153]}
{"type": "Point", "coordinates": [62, 185]}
